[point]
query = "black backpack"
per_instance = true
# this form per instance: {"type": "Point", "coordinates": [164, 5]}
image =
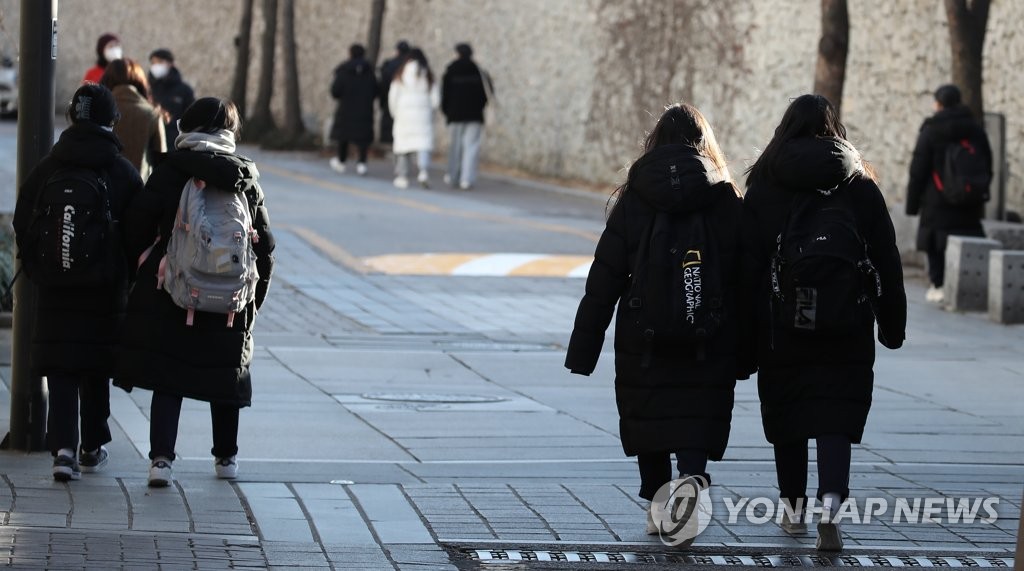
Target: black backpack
{"type": "Point", "coordinates": [675, 297]}
{"type": "Point", "coordinates": [965, 176]}
{"type": "Point", "coordinates": [72, 238]}
{"type": "Point", "coordinates": [822, 280]}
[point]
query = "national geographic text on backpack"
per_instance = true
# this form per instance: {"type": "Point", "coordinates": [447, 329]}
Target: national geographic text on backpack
{"type": "Point", "coordinates": [72, 240]}
{"type": "Point", "coordinates": [965, 176]}
{"type": "Point", "coordinates": [821, 277]}
{"type": "Point", "coordinates": [210, 264]}
{"type": "Point", "coordinates": [675, 296]}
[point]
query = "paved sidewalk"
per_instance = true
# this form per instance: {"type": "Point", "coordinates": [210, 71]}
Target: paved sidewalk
{"type": "Point", "coordinates": [406, 422]}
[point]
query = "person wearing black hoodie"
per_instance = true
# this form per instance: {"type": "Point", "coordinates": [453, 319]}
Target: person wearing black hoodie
{"type": "Point", "coordinates": [162, 349]}
{"type": "Point", "coordinates": [814, 385]}
{"type": "Point", "coordinates": [355, 88]}
{"type": "Point", "coordinates": [939, 219]}
{"type": "Point", "coordinates": [74, 336]}
{"type": "Point", "coordinates": [463, 98]}
{"type": "Point", "coordinates": [679, 398]}
{"type": "Point", "coordinates": [169, 91]}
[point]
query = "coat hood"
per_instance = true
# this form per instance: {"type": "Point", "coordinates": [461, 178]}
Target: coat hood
{"type": "Point", "coordinates": [87, 145]}
{"type": "Point", "coordinates": [222, 170]}
{"type": "Point", "coordinates": [674, 178]}
{"type": "Point", "coordinates": [816, 164]}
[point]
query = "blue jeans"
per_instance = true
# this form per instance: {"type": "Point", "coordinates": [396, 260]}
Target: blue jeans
{"type": "Point", "coordinates": [464, 151]}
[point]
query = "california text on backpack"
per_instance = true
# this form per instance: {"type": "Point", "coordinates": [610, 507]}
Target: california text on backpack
{"type": "Point", "coordinates": [821, 277]}
{"type": "Point", "coordinates": [965, 176]}
{"type": "Point", "coordinates": [675, 297]}
{"type": "Point", "coordinates": [72, 240]}
{"type": "Point", "coordinates": [210, 264]}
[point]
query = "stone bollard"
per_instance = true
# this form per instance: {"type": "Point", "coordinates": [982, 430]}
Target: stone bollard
{"type": "Point", "coordinates": [1006, 286]}
{"type": "Point", "coordinates": [966, 284]}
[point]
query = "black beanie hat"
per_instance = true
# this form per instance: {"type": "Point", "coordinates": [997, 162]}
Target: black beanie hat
{"type": "Point", "coordinates": [206, 114]}
{"type": "Point", "coordinates": [162, 53]}
{"type": "Point", "coordinates": [93, 103]}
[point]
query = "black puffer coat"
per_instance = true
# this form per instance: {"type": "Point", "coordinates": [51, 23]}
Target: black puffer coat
{"type": "Point", "coordinates": [811, 386]}
{"type": "Point", "coordinates": [463, 96]}
{"type": "Point", "coordinates": [355, 88]}
{"type": "Point", "coordinates": [174, 96]}
{"type": "Point", "coordinates": [75, 329]}
{"type": "Point", "coordinates": [940, 219]}
{"type": "Point", "coordinates": [678, 401]}
{"type": "Point", "coordinates": [387, 73]}
{"type": "Point", "coordinates": [208, 360]}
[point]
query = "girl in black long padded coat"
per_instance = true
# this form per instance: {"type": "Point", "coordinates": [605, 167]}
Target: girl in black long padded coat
{"type": "Point", "coordinates": [671, 399]}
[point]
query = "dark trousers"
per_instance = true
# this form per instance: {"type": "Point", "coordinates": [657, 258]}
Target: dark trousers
{"type": "Point", "coordinates": [74, 397]}
{"type": "Point", "coordinates": [833, 468]}
{"type": "Point", "coordinates": [936, 265]}
{"type": "Point", "coordinates": [656, 468]}
{"type": "Point", "coordinates": [164, 413]}
{"type": "Point", "coordinates": [362, 148]}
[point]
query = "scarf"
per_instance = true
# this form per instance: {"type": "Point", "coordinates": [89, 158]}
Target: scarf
{"type": "Point", "coordinates": [223, 141]}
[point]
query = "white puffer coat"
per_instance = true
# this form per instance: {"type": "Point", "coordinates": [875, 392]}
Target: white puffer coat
{"type": "Point", "coordinates": [412, 100]}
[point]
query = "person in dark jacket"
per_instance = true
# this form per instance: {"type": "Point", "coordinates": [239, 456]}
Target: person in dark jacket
{"type": "Point", "coordinates": [463, 97]}
{"type": "Point", "coordinates": [387, 74]}
{"type": "Point", "coordinates": [671, 399]}
{"type": "Point", "coordinates": [160, 351]}
{"type": "Point", "coordinates": [169, 91]}
{"type": "Point", "coordinates": [74, 332]}
{"type": "Point", "coordinates": [813, 385]}
{"type": "Point", "coordinates": [939, 219]}
{"type": "Point", "coordinates": [355, 88]}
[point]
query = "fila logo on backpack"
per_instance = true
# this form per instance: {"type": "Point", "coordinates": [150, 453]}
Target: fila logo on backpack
{"type": "Point", "coordinates": [965, 176]}
{"type": "Point", "coordinates": [72, 240]}
{"type": "Point", "coordinates": [210, 264]}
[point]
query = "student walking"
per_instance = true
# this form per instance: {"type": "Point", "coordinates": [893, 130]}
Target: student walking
{"type": "Point", "coordinates": [196, 347]}
{"type": "Point", "coordinates": [387, 74]}
{"type": "Point", "coordinates": [463, 98]}
{"type": "Point", "coordinates": [413, 97]}
{"type": "Point", "coordinates": [79, 301]}
{"type": "Point", "coordinates": [674, 224]}
{"type": "Point", "coordinates": [952, 134]}
{"type": "Point", "coordinates": [141, 128]}
{"type": "Point", "coordinates": [820, 259]}
{"type": "Point", "coordinates": [170, 92]}
{"type": "Point", "coordinates": [355, 88]}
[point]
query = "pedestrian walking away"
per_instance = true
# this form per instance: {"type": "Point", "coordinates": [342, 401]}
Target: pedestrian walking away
{"type": "Point", "coordinates": [108, 49]}
{"type": "Point", "coordinates": [463, 98]}
{"type": "Point", "coordinates": [413, 97]}
{"type": "Point", "coordinates": [141, 128]}
{"type": "Point", "coordinates": [387, 74]}
{"type": "Point", "coordinates": [675, 221]}
{"type": "Point", "coordinates": [199, 347]}
{"type": "Point", "coordinates": [169, 91]}
{"type": "Point", "coordinates": [355, 88]}
{"type": "Point", "coordinates": [819, 261]}
{"type": "Point", "coordinates": [65, 225]}
{"type": "Point", "coordinates": [951, 133]}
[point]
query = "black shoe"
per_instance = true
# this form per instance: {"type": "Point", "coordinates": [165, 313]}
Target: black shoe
{"type": "Point", "coordinates": [65, 468]}
{"type": "Point", "coordinates": [93, 461]}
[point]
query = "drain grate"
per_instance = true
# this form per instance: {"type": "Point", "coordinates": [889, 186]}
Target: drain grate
{"type": "Point", "coordinates": [730, 560]}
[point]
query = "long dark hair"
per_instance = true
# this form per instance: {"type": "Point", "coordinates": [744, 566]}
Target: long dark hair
{"type": "Point", "coordinates": [807, 116]}
{"type": "Point", "coordinates": [420, 58]}
{"type": "Point", "coordinates": [684, 124]}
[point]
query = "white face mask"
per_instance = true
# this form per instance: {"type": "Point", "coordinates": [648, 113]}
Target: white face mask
{"type": "Point", "coordinates": [112, 53]}
{"type": "Point", "coordinates": [159, 70]}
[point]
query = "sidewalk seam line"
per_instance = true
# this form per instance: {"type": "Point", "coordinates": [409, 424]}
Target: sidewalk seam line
{"type": "Point", "coordinates": [127, 501]}
{"type": "Point", "coordinates": [309, 522]}
{"type": "Point", "coordinates": [588, 508]}
{"type": "Point", "coordinates": [369, 526]}
{"type": "Point", "coordinates": [188, 508]}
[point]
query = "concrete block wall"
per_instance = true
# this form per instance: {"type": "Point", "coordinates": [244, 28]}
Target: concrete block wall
{"type": "Point", "coordinates": [966, 284]}
{"type": "Point", "coordinates": [1006, 286]}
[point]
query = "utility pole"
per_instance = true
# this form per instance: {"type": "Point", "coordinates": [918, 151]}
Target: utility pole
{"type": "Point", "coordinates": [36, 105]}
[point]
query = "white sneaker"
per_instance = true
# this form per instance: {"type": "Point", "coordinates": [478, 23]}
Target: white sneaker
{"type": "Point", "coordinates": [423, 178]}
{"type": "Point", "coordinates": [934, 295]}
{"type": "Point", "coordinates": [447, 179]}
{"type": "Point", "coordinates": [227, 468]}
{"type": "Point", "coordinates": [361, 169]}
{"type": "Point", "coordinates": [465, 185]}
{"type": "Point", "coordinates": [401, 182]}
{"type": "Point", "coordinates": [337, 166]}
{"type": "Point", "coordinates": [160, 473]}
{"type": "Point", "coordinates": [793, 525]}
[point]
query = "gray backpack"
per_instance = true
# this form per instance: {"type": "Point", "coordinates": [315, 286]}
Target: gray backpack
{"type": "Point", "coordinates": [210, 264]}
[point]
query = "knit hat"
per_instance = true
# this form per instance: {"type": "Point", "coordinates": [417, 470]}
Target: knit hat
{"type": "Point", "coordinates": [162, 53]}
{"type": "Point", "coordinates": [94, 103]}
{"type": "Point", "coordinates": [103, 41]}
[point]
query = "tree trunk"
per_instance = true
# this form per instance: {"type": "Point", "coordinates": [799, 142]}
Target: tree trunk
{"type": "Point", "coordinates": [262, 120]}
{"type": "Point", "coordinates": [241, 81]}
{"type": "Point", "coordinates": [967, 21]}
{"type": "Point", "coordinates": [293, 126]}
{"type": "Point", "coordinates": [830, 73]}
{"type": "Point", "coordinates": [377, 8]}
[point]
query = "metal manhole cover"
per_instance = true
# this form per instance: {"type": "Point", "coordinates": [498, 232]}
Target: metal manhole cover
{"type": "Point", "coordinates": [433, 398]}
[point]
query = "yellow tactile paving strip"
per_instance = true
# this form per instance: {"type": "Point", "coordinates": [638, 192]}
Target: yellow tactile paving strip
{"type": "Point", "coordinates": [483, 264]}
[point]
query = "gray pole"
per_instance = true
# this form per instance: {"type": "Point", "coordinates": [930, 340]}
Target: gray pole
{"type": "Point", "coordinates": [36, 105]}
